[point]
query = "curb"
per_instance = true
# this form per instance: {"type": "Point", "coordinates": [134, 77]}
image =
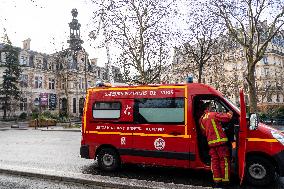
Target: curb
{"type": "Point", "coordinates": [64, 130]}
{"type": "Point", "coordinates": [97, 180]}
{"type": "Point", "coordinates": [8, 128]}
{"type": "Point", "coordinates": [3, 129]}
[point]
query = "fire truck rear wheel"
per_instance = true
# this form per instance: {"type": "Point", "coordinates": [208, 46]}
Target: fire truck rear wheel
{"type": "Point", "coordinates": [108, 159]}
{"type": "Point", "coordinates": [259, 171]}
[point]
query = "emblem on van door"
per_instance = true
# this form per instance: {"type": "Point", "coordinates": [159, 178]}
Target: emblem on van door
{"type": "Point", "coordinates": [159, 143]}
{"type": "Point", "coordinates": [123, 141]}
{"type": "Point", "coordinates": [127, 110]}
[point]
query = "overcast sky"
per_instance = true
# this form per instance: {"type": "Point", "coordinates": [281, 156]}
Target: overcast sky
{"type": "Point", "coordinates": [45, 22]}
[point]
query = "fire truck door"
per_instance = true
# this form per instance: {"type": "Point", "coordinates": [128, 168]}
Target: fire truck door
{"type": "Point", "coordinates": [242, 138]}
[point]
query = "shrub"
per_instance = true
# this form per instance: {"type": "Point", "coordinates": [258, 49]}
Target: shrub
{"type": "Point", "coordinates": [280, 113]}
{"type": "Point", "coordinates": [23, 116]}
{"type": "Point", "coordinates": [63, 114]}
{"type": "Point", "coordinates": [46, 114]}
{"type": "Point", "coordinates": [35, 115]}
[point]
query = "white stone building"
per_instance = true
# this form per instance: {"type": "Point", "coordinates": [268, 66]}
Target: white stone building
{"type": "Point", "coordinates": [226, 72]}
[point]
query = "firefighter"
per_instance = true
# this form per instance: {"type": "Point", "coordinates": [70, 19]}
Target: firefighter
{"type": "Point", "coordinates": [210, 123]}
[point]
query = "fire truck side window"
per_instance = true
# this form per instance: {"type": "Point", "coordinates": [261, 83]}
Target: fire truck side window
{"type": "Point", "coordinates": [158, 110]}
{"type": "Point", "coordinates": [106, 110]}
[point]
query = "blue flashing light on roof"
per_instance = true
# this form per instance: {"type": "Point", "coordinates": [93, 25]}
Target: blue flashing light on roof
{"type": "Point", "coordinates": [189, 79]}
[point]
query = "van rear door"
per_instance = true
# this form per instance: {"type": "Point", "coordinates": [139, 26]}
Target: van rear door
{"type": "Point", "coordinates": [242, 138]}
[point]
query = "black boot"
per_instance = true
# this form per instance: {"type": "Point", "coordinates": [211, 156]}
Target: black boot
{"type": "Point", "coordinates": [226, 184]}
{"type": "Point", "coordinates": [218, 185]}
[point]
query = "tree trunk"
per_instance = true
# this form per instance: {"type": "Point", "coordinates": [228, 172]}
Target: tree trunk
{"type": "Point", "coordinates": [252, 89]}
{"type": "Point", "coordinates": [236, 91]}
{"type": "Point", "coordinates": [199, 73]}
{"type": "Point", "coordinates": [4, 113]}
{"type": "Point", "coordinates": [5, 108]}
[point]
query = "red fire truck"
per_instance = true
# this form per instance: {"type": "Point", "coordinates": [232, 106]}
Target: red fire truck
{"type": "Point", "coordinates": [158, 125]}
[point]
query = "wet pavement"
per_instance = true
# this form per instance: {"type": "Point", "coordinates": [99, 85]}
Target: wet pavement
{"type": "Point", "coordinates": [59, 151]}
{"type": "Point", "coordinates": [44, 150]}
{"type": "Point", "coordinates": [20, 182]}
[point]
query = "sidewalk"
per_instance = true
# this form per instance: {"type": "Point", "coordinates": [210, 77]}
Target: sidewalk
{"type": "Point", "coordinates": [59, 128]}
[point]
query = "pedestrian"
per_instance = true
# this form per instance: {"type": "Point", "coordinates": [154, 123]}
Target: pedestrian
{"type": "Point", "coordinates": [211, 127]}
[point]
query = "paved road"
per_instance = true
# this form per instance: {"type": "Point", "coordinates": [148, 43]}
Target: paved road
{"type": "Point", "coordinates": [59, 151]}
{"type": "Point", "coordinates": [44, 150]}
{"type": "Point", "coordinates": [20, 182]}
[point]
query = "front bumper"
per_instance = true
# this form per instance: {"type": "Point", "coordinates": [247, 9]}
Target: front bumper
{"type": "Point", "coordinates": [280, 161]}
{"type": "Point", "coordinates": [84, 151]}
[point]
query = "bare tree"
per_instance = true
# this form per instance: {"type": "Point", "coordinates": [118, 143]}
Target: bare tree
{"type": "Point", "coordinates": [199, 39]}
{"type": "Point", "coordinates": [203, 31]}
{"type": "Point", "coordinates": [245, 23]}
{"type": "Point", "coordinates": [137, 29]}
{"type": "Point", "coordinates": [264, 92]}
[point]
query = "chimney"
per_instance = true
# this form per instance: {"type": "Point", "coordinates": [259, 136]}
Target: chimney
{"type": "Point", "coordinates": [27, 44]}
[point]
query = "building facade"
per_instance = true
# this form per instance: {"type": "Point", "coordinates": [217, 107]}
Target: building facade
{"type": "Point", "coordinates": [227, 73]}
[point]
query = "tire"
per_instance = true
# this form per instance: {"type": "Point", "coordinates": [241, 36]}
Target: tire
{"type": "Point", "coordinates": [108, 159]}
{"type": "Point", "coordinates": [259, 171]}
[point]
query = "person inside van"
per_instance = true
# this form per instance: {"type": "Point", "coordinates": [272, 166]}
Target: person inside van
{"type": "Point", "coordinates": [211, 126]}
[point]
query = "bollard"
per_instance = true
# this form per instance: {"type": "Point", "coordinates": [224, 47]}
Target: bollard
{"type": "Point", "coordinates": [36, 123]}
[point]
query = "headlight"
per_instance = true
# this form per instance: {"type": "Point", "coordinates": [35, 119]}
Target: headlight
{"type": "Point", "coordinates": [278, 136]}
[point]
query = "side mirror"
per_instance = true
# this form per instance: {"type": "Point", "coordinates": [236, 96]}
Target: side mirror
{"type": "Point", "coordinates": [253, 121]}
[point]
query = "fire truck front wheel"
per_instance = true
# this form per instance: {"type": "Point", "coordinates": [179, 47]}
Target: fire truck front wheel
{"type": "Point", "coordinates": [108, 159]}
{"type": "Point", "coordinates": [259, 171]}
